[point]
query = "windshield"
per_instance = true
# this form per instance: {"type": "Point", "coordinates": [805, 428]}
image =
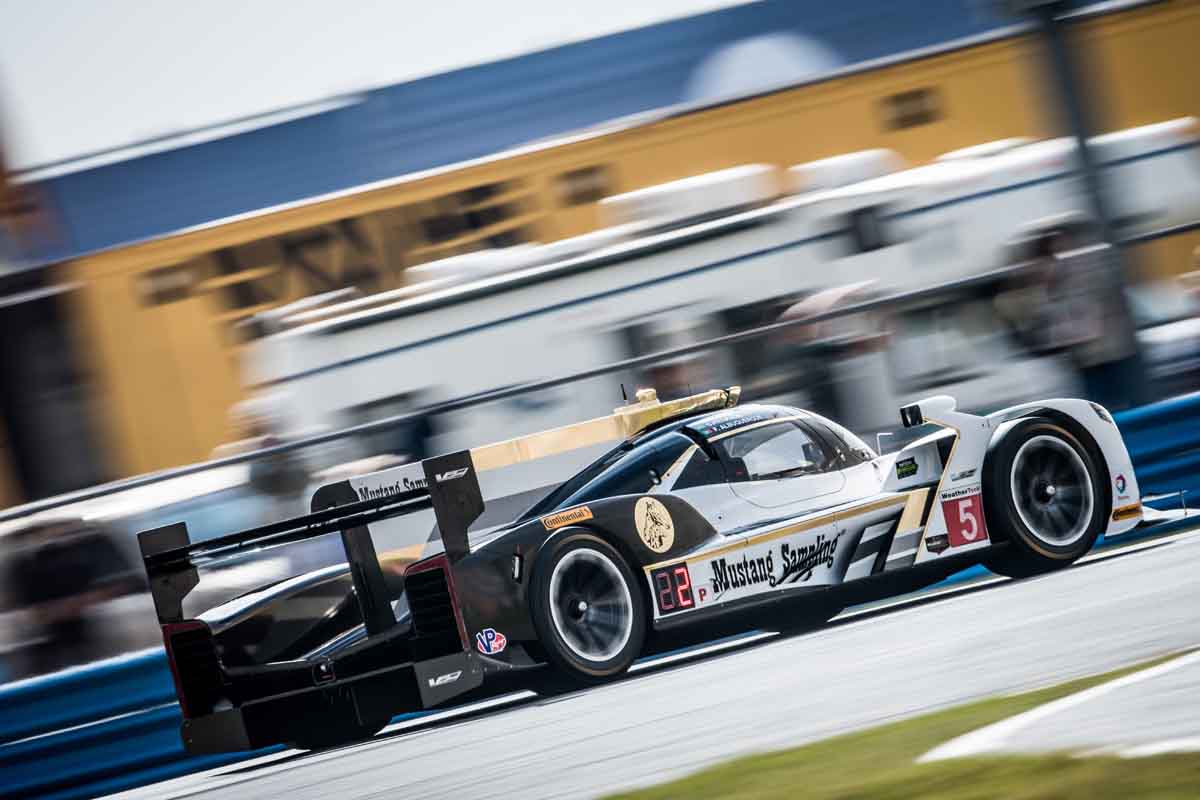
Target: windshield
{"type": "Point", "coordinates": [774, 451]}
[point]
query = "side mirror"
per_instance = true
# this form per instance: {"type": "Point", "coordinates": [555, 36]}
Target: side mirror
{"type": "Point", "coordinates": [911, 416]}
{"type": "Point", "coordinates": [916, 414]}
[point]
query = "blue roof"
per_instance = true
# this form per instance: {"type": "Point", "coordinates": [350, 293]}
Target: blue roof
{"type": "Point", "coordinates": [465, 114]}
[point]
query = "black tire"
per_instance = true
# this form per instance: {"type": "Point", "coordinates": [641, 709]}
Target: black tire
{"type": "Point", "coordinates": [1044, 499]}
{"type": "Point", "coordinates": [587, 607]}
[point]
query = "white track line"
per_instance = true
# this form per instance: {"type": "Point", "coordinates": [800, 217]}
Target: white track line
{"type": "Point", "coordinates": [989, 738]}
{"type": "Point", "coordinates": [1186, 744]}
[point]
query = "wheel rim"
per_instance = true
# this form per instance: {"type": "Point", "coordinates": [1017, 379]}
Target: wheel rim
{"type": "Point", "coordinates": [590, 605]}
{"type": "Point", "coordinates": [1052, 490]}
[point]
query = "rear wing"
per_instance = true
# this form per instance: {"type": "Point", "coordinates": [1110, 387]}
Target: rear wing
{"type": "Point", "coordinates": [449, 484]}
{"type": "Point", "coordinates": [450, 488]}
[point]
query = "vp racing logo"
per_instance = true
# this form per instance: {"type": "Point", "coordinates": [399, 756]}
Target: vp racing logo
{"type": "Point", "coordinates": [490, 641]}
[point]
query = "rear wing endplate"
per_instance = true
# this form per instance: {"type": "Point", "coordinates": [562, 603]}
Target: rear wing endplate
{"type": "Point", "coordinates": [451, 489]}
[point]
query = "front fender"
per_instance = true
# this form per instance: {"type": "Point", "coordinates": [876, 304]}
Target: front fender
{"type": "Point", "coordinates": [1097, 423]}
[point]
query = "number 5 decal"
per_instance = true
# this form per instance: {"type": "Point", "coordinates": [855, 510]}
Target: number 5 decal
{"type": "Point", "coordinates": [964, 520]}
{"type": "Point", "coordinates": [966, 516]}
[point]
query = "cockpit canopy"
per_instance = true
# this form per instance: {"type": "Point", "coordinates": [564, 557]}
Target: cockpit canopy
{"type": "Point", "coordinates": [748, 443]}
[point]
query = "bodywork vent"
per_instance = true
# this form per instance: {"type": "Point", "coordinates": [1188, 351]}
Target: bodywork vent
{"type": "Point", "coordinates": [195, 667]}
{"type": "Point", "coordinates": [433, 613]}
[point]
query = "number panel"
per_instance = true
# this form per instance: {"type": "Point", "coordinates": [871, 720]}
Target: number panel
{"type": "Point", "coordinates": [964, 519]}
{"type": "Point", "coordinates": [672, 589]}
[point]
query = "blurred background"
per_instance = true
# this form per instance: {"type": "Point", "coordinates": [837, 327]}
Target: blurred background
{"type": "Point", "coordinates": [229, 226]}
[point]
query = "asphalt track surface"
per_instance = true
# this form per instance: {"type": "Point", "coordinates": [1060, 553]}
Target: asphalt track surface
{"type": "Point", "coordinates": [766, 692]}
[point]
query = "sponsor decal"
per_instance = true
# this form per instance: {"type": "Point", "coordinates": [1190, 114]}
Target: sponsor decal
{"type": "Point", "coordinates": [962, 476]}
{"type": "Point", "coordinates": [561, 518]}
{"type": "Point", "coordinates": [963, 492]}
{"type": "Point", "coordinates": [906, 468]}
{"type": "Point", "coordinates": [799, 562]}
{"type": "Point", "coordinates": [937, 544]}
{"type": "Point", "coordinates": [490, 641]}
{"type": "Point", "coordinates": [442, 680]}
{"type": "Point", "coordinates": [1120, 484]}
{"type": "Point", "coordinates": [963, 512]}
{"type": "Point", "coordinates": [654, 524]}
{"type": "Point", "coordinates": [453, 474]}
{"type": "Point", "coordinates": [795, 564]}
{"type": "Point", "coordinates": [778, 565]}
{"type": "Point", "coordinates": [387, 489]}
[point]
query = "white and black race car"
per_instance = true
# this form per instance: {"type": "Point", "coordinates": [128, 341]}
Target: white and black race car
{"type": "Point", "coordinates": [706, 517]}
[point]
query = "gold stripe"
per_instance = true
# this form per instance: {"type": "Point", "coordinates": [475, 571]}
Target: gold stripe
{"type": "Point", "coordinates": [942, 480]}
{"type": "Point", "coordinates": [914, 510]}
{"type": "Point", "coordinates": [1127, 512]}
{"type": "Point", "coordinates": [788, 530]}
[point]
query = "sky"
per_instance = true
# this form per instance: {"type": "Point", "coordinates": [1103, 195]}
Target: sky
{"type": "Point", "coordinates": [79, 76]}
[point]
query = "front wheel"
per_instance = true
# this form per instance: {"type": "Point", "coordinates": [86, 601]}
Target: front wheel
{"type": "Point", "coordinates": [589, 613]}
{"type": "Point", "coordinates": [1045, 496]}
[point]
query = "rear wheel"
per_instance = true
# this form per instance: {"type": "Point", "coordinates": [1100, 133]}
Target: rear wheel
{"type": "Point", "coordinates": [1044, 497]}
{"type": "Point", "coordinates": [589, 613]}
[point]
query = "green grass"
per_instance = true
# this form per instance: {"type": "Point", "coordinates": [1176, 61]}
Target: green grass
{"type": "Point", "coordinates": [880, 763]}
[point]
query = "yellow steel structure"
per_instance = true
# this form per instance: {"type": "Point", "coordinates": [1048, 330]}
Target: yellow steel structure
{"type": "Point", "coordinates": [157, 320]}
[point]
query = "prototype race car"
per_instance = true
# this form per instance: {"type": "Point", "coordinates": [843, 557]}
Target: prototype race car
{"type": "Point", "coordinates": [706, 517]}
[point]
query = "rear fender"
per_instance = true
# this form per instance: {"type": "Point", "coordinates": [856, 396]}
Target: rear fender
{"type": "Point", "coordinates": [617, 520]}
{"type": "Point", "coordinates": [494, 580]}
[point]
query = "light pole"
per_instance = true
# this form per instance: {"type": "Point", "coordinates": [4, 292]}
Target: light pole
{"type": "Point", "coordinates": [1066, 75]}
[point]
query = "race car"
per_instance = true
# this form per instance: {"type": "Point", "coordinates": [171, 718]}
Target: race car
{"type": "Point", "coordinates": [706, 517]}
